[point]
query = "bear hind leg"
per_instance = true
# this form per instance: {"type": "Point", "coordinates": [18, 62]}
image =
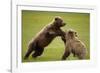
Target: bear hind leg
{"type": "Point", "coordinates": [65, 55]}
{"type": "Point", "coordinates": [29, 51]}
{"type": "Point", "coordinates": [38, 52]}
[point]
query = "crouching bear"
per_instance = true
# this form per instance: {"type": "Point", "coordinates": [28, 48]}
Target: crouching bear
{"type": "Point", "coordinates": [45, 37]}
{"type": "Point", "coordinates": [73, 45]}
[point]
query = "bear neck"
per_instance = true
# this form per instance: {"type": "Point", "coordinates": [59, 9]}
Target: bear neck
{"type": "Point", "coordinates": [55, 26]}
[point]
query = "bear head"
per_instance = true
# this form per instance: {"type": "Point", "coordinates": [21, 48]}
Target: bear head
{"type": "Point", "coordinates": [58, 22]}
{"type": "Point", "coordinates": [71, 33]}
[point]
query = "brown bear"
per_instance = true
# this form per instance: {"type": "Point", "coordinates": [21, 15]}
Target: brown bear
{"type": "Point", "coordinates": [73, 45]}
{"type": "Point", "coordinates": [45, 37]}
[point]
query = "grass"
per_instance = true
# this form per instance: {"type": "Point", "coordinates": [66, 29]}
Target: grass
{"type": "Point", "coordinates": [34, 21]}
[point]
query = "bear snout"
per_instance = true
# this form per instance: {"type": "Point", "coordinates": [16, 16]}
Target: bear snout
{"type": "Point", "coordinates": [63, 24]}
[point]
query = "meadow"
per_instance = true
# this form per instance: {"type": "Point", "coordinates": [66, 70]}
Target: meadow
{"type": "Point", "coordinates": [34, 21]}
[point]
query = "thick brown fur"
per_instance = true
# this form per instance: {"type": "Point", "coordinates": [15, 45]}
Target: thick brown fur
{"type": "Point", "coordinates": [73, 45]}
{"type": "Point", "coordinates": [45, 37]}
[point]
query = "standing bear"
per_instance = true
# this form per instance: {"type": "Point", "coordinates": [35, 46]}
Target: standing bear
{"type": "Point", "coordinates": [45, 37]}
{"type": "Point", "coordinates": [73, 45]}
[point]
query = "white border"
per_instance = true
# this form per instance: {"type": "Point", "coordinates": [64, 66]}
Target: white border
{"type": "Point", "coordinates": [17, 66]}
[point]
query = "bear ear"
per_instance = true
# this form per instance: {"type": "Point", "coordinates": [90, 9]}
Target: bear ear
{"type": "Point", "coordinates": [56, 18]}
